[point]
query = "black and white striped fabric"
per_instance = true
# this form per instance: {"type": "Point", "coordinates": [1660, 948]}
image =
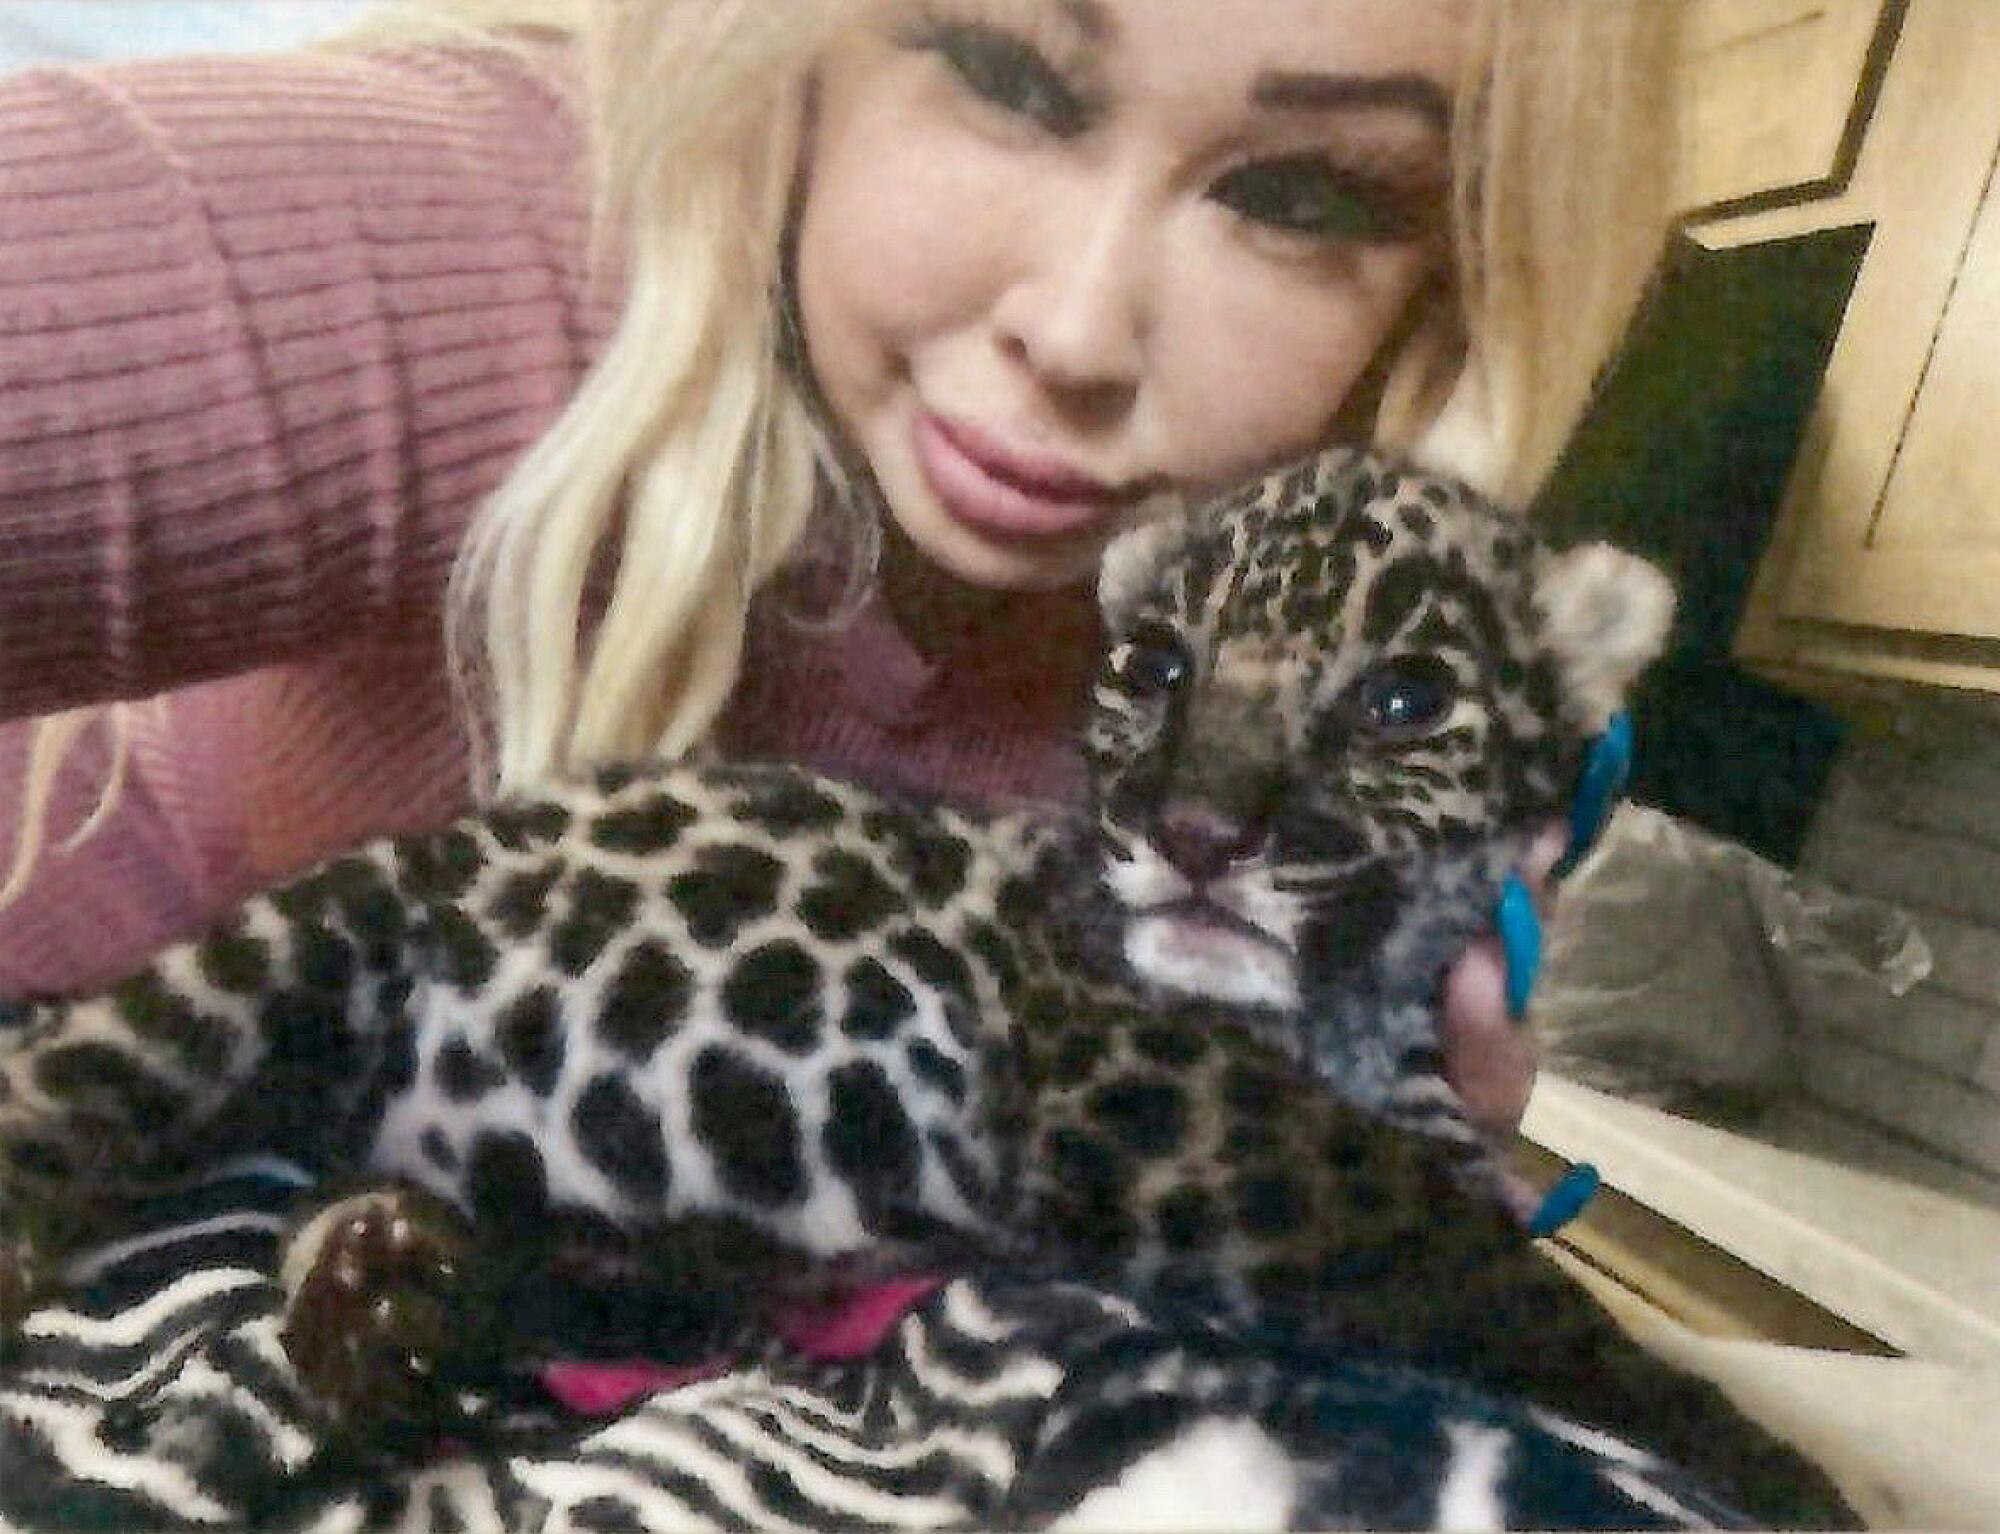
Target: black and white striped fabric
{"type": "Point", "coordinates": [158, 1398]}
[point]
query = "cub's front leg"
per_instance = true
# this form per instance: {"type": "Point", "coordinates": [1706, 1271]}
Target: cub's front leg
{"type": "Point", "coordinates": [266, 1031]}
{"type": "Point", "coordinates": [383, 1315]}
{"type": "Point", "coordinates": [400, 1307]}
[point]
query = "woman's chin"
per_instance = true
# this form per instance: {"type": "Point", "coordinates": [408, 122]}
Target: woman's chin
{"type": "Point", "coordinates": [943, 566]}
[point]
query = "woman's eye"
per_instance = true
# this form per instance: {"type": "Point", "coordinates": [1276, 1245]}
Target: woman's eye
{"type": "Point", "coordinates": [1152, 661]}
{"type": "Point", "coordinates": [1309, 196]}
{"type": "Point", "coordinates": [1407, 696]}
{"type": "Point", "coordinates": [1010, 73]}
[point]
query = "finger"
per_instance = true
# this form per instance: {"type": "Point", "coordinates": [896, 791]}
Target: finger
{"type": "Point", "coordinates": [1489, 1061]}
{"type": "Point", "coordinates": [1538, 862]}
{"type": "Point", "coordinates": [1565, 1201]}
{"type": "Point", "coordinates": [1605, 771]}
{"type": "Point", "coordinates": [1520, 928]}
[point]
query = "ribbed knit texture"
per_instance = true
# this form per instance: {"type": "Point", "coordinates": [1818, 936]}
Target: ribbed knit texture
{"type": "Point", "coordinates": [269, 331]}
{"type": "Point", "coordinates": [270, 328]}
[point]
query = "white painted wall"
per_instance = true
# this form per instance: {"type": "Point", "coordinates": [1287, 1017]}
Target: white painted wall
{"type": "Point", "coordinates": [52, 31]}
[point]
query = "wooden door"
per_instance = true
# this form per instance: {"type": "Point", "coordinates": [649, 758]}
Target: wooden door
{"type": "Point", "coordinates": [1886, 557]}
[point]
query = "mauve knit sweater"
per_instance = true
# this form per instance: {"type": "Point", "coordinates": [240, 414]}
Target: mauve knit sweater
{"type": "Point", "coordinates": [269, 330]}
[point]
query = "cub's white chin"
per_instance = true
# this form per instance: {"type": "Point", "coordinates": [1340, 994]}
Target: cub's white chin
{"type": "Point", "coordinates": [1181, 953]}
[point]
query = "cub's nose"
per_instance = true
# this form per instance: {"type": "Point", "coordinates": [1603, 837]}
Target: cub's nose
{"type": "Point", "coordinates": [1202, 841]}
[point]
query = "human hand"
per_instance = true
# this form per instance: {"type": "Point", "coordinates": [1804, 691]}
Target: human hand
{"type": "Point", "coordinates": [1489, 1057]}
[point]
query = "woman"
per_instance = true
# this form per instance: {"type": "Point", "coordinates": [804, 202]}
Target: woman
{"type": "Point", "coordinates": [899, 313]}
{"type": "Point", "coordinates": [275, 328]}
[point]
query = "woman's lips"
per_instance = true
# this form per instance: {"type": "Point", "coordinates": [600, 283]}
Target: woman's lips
{"type": "Point", "coordinates": [995, 489]}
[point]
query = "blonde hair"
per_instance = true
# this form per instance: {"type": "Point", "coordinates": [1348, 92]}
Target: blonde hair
{"type": "Point", "coordinates": [690, 438]}
{"type": "Point", "coordinates": [598, 611]}
{"type": "Point", "coordinates": [683, 470]}
{"type": "Point", "coordinates": [1565, 141]}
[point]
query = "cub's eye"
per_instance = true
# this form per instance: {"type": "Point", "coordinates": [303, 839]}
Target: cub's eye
{"type": "Point", "coordinates": [1408, 695]}
{"type": "Point", "coordinates": [1153, 660]}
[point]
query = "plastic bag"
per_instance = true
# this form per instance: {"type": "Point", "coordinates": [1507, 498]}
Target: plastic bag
{"type": "Point", "coordinates": [1676, 963]}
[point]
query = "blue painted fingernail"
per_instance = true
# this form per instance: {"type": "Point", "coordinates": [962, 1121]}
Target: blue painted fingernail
{"type": "Point", "coordinates": [1521, 941]}
{"type": "Point", "coordinates": [1565, 1201]}
{"type": "Point", "coordinates": [1605, 773]}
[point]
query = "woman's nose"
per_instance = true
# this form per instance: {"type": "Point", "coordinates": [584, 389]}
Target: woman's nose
{"type": "Point", "coordinates": [1076, 312]}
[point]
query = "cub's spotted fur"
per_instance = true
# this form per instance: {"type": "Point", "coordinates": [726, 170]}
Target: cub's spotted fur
{"type": "Point", "coordinates": [710, 1032]}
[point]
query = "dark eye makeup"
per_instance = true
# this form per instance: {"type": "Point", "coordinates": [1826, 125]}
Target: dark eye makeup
{"type": "Point", "coordinates": [1310, 196]}
{"type": "Point", "coordinates": [1006, 71]}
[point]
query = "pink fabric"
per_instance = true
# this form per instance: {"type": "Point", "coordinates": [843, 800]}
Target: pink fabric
{"type": "Point", "coordinates": [855, 1326]}
{"type": "Point", "coordinates": [848, 1328]}
{"type": "Point", "coordinates": [602, 1389]}
{"type": "Point", "coordinates": [269, 331]}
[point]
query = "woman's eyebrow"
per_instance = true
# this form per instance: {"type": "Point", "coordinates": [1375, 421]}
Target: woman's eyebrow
{"type": "Point", "coordinates": [1297, 91]}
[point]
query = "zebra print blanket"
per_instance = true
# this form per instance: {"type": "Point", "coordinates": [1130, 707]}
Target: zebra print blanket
{"type": "Point", "coordinates": [158, 1398]}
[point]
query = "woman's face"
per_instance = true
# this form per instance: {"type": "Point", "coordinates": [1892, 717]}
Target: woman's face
{"type": "Point", "coordinates": [1056, 254]}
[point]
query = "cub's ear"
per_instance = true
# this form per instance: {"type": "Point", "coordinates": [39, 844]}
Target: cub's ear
{"type": "Point", "coordinates": [1135, 557]}
{"type": "Point", "coordinates": [1605, 616]}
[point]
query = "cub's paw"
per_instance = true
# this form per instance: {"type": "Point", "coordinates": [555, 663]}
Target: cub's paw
{"type": "Point", "coordinates": [375, 1316]}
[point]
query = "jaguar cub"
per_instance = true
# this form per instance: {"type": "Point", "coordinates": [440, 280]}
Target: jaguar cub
{"type": "Point", "coordinates": [708, 1031]}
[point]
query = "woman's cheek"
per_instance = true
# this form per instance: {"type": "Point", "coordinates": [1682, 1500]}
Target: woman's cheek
{"type": "Point", "coordinates": [1243, 396]}
{"type": "Point", "coordinates": [1264, 354]}
{"type": "Point", "coordinates": [906, 206]}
